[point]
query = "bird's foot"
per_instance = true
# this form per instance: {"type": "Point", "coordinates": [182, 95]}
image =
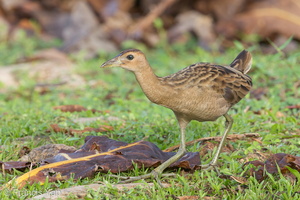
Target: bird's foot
{"type": "Point", "coordinates": [154, 174]}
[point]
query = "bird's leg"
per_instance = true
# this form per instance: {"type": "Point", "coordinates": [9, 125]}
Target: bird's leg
{"type": "Point", "coordinates": [157, 172]}
{"type": "Point", "coordinates": [181, 151]}
{"type": "Point", "coordinates": [213, 162]}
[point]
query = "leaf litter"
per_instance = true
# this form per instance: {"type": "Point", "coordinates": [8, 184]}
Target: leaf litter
{"type": "Point", "coordinates": [101, 154]}
{"type": "Point", "coordinates": [276, 163]}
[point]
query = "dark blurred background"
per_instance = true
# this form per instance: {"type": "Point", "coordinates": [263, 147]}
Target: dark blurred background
{"type": "Point", "coordinates": [103, 25]}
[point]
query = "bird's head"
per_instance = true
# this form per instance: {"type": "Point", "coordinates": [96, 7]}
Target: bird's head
{"type": "Point", "coordinates": [131, 59]}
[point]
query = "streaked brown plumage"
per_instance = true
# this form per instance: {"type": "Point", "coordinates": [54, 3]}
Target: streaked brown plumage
{"type": "Point", "coordinates": [201, 92]}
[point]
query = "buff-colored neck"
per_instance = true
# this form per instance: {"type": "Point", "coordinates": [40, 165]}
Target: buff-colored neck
{"type": "Point", "coordinates": [150, 84]}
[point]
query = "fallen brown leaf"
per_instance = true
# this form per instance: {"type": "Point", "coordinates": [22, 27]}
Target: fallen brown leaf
{"type": "Point", "coordinates": [10, 166]}
{"type": "Point", "coordinates": [188, 197]}
{"type": "Point", "coordinates": [276, 162]}
{"type": "Point", "coordinates": [74, 108]}
{"type": "Point", "coordinates": [114, 157]}
{"type": "Point", "coordinates": [72, 132]}
{"type": "Point", "coordinates": [294, 107]}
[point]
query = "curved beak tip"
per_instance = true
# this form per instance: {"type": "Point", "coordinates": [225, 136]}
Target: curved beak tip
{"type": "Point", "coordinates": [106, 64]}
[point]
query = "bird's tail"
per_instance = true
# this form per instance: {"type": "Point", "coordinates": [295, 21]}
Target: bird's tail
{"type": "Point", "coordinates": [242, 62]}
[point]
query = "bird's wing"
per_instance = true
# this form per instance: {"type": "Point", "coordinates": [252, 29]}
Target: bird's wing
{"type": "Point", "coordinates": [229, 83]}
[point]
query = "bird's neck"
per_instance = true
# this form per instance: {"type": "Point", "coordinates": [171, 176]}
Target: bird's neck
{"type": "Point", "coordinates": [151, 85]}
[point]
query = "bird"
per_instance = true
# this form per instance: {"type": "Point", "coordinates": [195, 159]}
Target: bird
{"type": "Point", "coordinates": [201, 92]}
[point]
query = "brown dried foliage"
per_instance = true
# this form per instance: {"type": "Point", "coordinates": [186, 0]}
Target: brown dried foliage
{"type": "Point", "coordinates": [100, 154]}
{"type": "Point", "coordinates": [275, 164]}
{"type": "Point", "coordinates": [72, 132]}
{"type": "Point", "coordinates": [95, 25]}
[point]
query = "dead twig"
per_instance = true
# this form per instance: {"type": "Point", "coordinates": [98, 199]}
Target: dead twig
{"type": "Point", "coordinates": [83, 190]}
{"type": "Point", "coordinates": [142, 24]}
{"type": "Point", "coordinates": [218, 138]}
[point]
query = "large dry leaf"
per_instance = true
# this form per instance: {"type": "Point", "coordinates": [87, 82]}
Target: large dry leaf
{"type": "Point", "coordinates": [101, 154]}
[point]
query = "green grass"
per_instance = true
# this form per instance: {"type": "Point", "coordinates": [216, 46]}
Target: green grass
{"type": "Point", "coordinates": [26, 114]}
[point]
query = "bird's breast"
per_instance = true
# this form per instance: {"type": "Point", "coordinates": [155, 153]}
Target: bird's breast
{"type": "Point", "coordinates": [196, 105]}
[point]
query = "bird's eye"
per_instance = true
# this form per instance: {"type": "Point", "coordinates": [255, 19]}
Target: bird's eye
{"type": "Point", "coordinates": [130, 57]}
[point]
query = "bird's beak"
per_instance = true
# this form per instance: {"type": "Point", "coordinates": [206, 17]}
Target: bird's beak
{"type": "Point", "coordinates": [114, 62]}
